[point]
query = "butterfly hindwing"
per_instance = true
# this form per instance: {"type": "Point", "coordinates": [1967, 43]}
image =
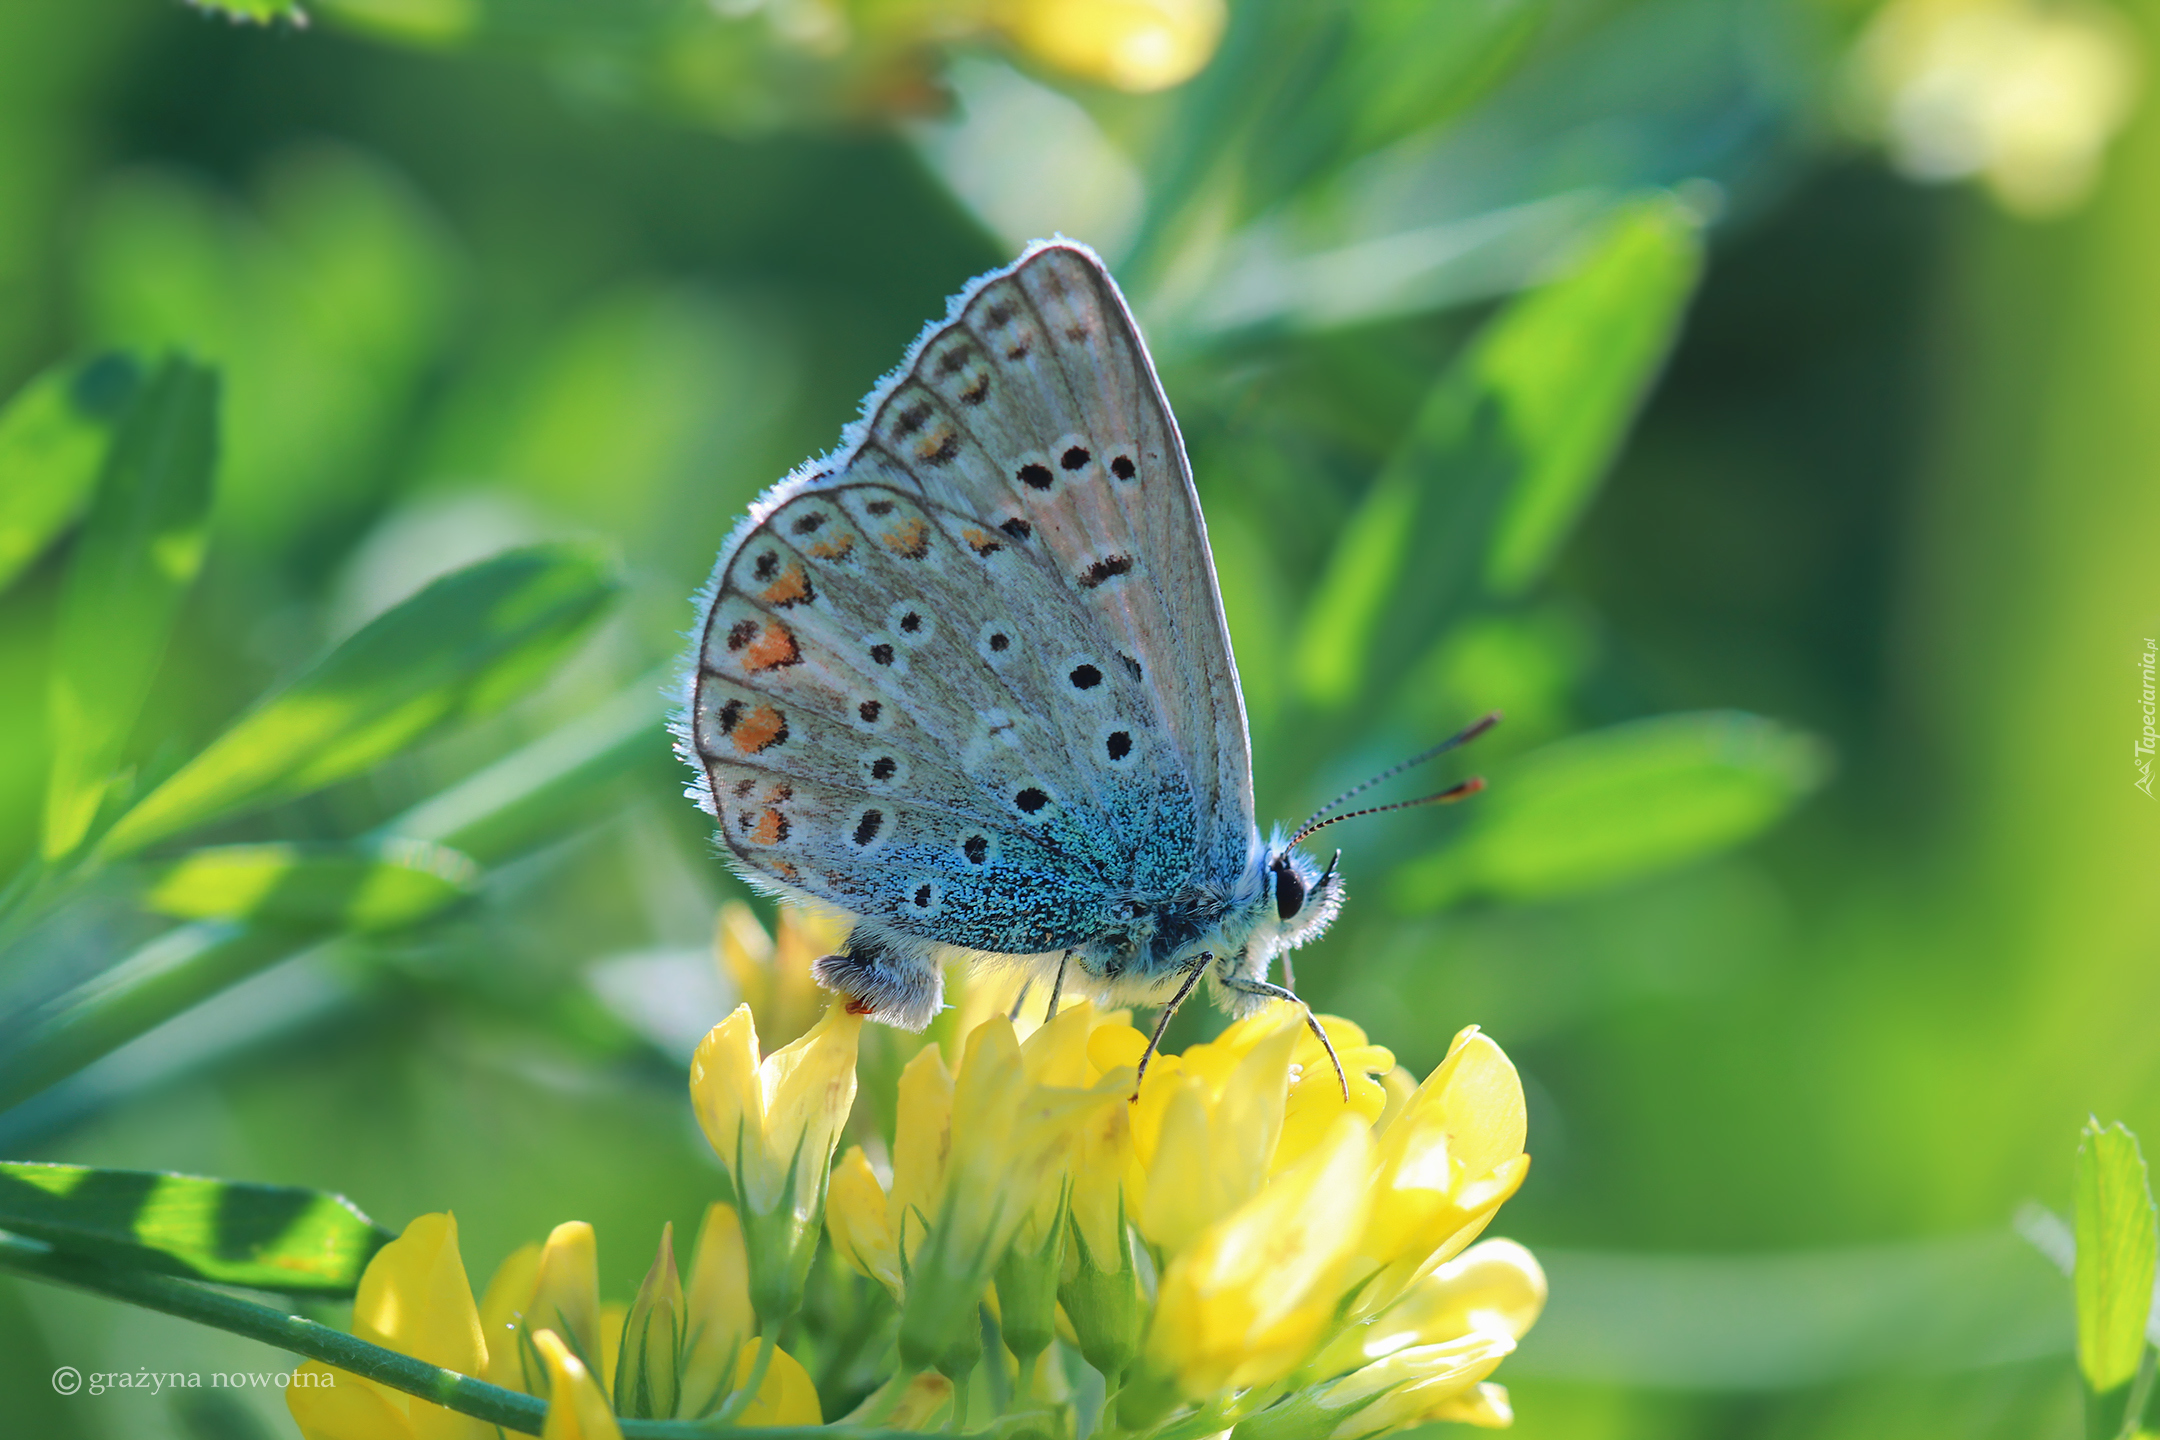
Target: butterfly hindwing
{"type": "Point", "coordinates": [901, 711]}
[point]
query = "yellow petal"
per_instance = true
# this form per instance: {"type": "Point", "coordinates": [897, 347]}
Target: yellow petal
{"type": "Point", "coordinates": [577, 1410]}
{"type": "Point", "coordinates": [809, 1087]}
{"type": "Point", "coordinates": [1057, 1053]}
{"type": "Point", "coordinates": [855, 1218]}
{"type": "Point", "coordinates": [1486, 1406]}
{"type": "Point", "coordinates": [922, 1136]}
{"type": "Point", "coordinates": [332, 1405]}
{"type": "Point", "coordinates": [1216, 1128]}
{"type": "Point", "coordinates": [1496, 1288]}
{"type": "Point", "coordinates": [414, 1298]}
{"type": "Point", "coordinates": [1316, 1095]}
{"type": "Point", "coordinates": [612, 1316]}
{"type": "Point", "coordinates": [1247, 1302]}
{"type": "Point", "coordinates": [566, 1294]}
{"type": "Point", "coordinates": [502, 1310]}
{"type": "Point", "coordinates": [729, 1098]}
{"type": "Point", "coordinates": [787, 1397]}
{"type": "Point", "coordinates": [920, 1403]}
{"type": "Point", "coordinates": [1412, 1384]}
{"type": "Point", "coordinates": [718, 1314]}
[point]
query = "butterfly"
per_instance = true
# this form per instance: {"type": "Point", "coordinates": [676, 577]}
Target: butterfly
{"type": "Point", "coordinates": [967, 679]}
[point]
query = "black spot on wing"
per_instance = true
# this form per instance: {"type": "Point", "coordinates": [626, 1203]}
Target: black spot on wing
{"type": "Point", "coordinates": [1107, 568]}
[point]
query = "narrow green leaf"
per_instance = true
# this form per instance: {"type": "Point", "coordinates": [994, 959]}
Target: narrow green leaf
{"type": "Point", "coordinates": [2115, 1264]}
{"type": "Point", "coordinates": [270, 1237]}
{"type": "Point", "coordinates": [138, 556]}
{"type": "Point", "coordinates": [395, 885]}
{"type": "Point", "coordinates": [53, 437]}
{"type": "Point", "coordinates": [1572, 364]}
{"type": "Point", "coordinates": [1617, 804]}
{"type": "Point", "coordinates": [466, 645]}
{"type": "Point", "coordinates": [1503, 456]}
{"type": "Point", "coordinates": [261, 12]}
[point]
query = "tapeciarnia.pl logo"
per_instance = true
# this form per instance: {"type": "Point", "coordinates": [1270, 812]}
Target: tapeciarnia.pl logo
{"type": "Point", "coordinates": [2142, 756]}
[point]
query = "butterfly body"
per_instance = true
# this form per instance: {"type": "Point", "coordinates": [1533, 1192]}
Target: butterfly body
{"type": "Point", "coordinates": [967, 680]}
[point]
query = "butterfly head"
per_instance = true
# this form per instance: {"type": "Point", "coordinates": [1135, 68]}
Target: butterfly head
{"type": "Point", "coordinates": [1305, 896]}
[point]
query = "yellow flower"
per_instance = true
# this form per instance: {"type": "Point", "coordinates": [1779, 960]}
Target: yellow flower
{"type": "Point", "coordinates": [719, 1320]}
{"type": "Point", "coordinates": [414, 1298]}
{"type": "Point", "coordinates": [1132, 44]}
{"type": "Point", "coordinates": [1494, 1288]}
{"type": "Point", "coordinates": [502, 1315]}
{"type": "Point", "coordinates": [577, 1409]}
{"type": "Point", "coordinates": [1254, 1293]}
{"type": "Point", "coordinates": [774, 1123]}
{"type": "Point", "coordinates": [772, 972]}
{"type": "Point", "coordinates": [1008, 1139]}
{"type": "Point", "coordinates": [1408, 1388]}
{"type": "Point", "coordinates": [1447, 1161]}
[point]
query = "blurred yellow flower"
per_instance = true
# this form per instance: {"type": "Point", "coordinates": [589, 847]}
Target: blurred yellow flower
{"type": "Point", "coordinates": [774, 1123]}
{"type": "Point", "coordinates": [1137, 45]}
{"type": "Point", "coordinates": [2023, 94]}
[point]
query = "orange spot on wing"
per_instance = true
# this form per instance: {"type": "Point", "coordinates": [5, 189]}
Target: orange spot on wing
{"type": "Point", "coordinates": [772, 828]}
{"type": "Point", "coordinates": [792, 588]}
{"type": "Point", "coordinates": [982, 542]}
{"type": "Point", "coordinates": [834, 548]}
{"type": "Point", "coordinates": [760, 729]}
{"type": "Point", "coordinates": [910, 540]}
{"type": "Point", "coordinates": [774, 647]}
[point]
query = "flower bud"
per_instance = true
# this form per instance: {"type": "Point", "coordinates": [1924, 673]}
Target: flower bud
{"type": "Point", "coordinates": [647, 1379]}
{"type": "Point", "coordinates": [774, 1123]}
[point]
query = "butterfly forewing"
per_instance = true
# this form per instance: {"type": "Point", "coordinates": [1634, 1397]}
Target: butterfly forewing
{"type": "Point", "coordinates": [971, 678]}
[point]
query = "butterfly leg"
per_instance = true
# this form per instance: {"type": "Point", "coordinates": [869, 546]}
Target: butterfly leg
{"type": "Point", "coordinates": [1244, 986]}
{"type": "Point", "coordinates": [1057, 987]}
{"type": "Point", "coordinates": [1192, 978]}
{"type": "Point", "coordinates": [884, 977]}
{"type": "Point", "coordinates": [1019, 1000]}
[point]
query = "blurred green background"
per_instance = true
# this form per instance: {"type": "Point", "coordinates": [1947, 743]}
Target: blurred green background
{"type": "Point", "coordinates": [1759, 400]}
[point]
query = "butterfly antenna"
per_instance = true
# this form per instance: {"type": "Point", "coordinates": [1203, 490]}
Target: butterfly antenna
{"type": "Point", "coordinates": [1446, 797]}
{"type": "Point", "coordinates": [1461, 737]}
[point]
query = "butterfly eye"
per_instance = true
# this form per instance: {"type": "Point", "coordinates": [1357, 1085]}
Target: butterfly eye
{"type": "Point", "coordinates": [1289, 890]}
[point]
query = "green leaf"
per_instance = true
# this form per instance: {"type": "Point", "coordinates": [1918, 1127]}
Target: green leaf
{"type": "Point", "coordinates": [466, 645]}
{"type": "Point", "coordinates": [53, 439]}
{"type": "Point", "coordinates": [2115, 1263]}
{"type": "Point", "coordinates": [261, 12]}
{"type": "Point", "coordinates": [1572, 363]}
{"type": "Point", "coordinates": [1617, 804]}
{"type": "Point", "coordinates": [270, 1237]}
{"type": "Point", "coordinates": [398, 884]}
{"type": "Point", "coordinates": [138, 556]}
{"type": "Point", "coordinates": [1503, 456]}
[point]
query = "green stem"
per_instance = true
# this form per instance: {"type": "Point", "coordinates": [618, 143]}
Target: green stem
{"type": "Point", "coordinates": [225, 1311]}
{"type": "Point", "coordinates": [958, 1421]}
{"type": "Point", "coordinates": [768, 1342]}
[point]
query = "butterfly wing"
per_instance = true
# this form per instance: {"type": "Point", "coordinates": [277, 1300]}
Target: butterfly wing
{"type": "Point", "coordinates": [970, 679]}
{"type": "Point", "coordinates": [1037, 400]}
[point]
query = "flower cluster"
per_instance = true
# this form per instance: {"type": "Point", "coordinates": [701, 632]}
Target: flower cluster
{"type": "Point", "coordinates": [1241, 1242]}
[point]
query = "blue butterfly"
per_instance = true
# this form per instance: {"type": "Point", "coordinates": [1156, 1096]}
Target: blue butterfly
{"type": "Point", "coordinates": [966, 680]}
